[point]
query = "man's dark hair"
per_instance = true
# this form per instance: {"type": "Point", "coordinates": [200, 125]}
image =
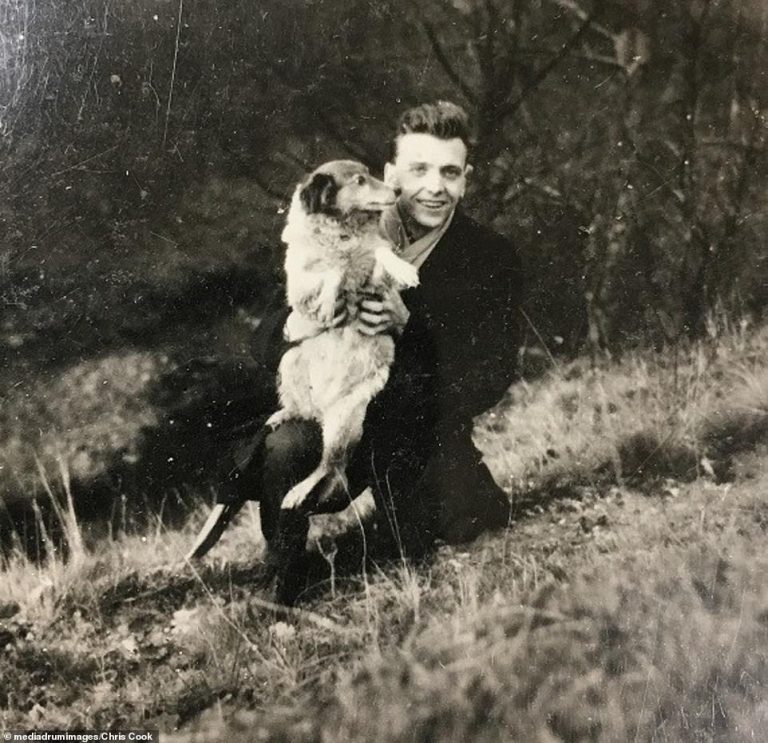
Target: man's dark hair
{"type": "Point", "coordinates": [442, 119]}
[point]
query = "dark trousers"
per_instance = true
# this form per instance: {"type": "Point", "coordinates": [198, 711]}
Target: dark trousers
{"type": "Point", "coordinates": [425, 489]}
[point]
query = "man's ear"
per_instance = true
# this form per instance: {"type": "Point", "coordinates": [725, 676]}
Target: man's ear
{"type": "Point", "coordinates": [468, 170]}
{"type": "Point", "coordinates": [390, 176]}
{"type": "Point", "coordinates": [318, 195]}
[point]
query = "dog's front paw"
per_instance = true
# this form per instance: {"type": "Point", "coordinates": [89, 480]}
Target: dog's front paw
{"type": "Point", "coordinates": [322, 311]}
{"type": "Point", "coordinates": [405, 274]}
{"type": "Point", "coordinates": [326, 311]}
{"type": "Point", "coordinates": [401, 272]}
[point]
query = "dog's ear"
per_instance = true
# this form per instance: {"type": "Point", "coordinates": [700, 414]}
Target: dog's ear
{"type": "Point", "coordinates": [318, 195]}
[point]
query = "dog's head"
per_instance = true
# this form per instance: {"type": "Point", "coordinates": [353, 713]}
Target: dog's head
{"type": "Point", "coordinates": [342, 187]}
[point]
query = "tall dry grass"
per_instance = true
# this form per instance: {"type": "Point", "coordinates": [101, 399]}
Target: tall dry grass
{"type": "Point", "coordinates": [676, 414]}
{"type": "Point", "coordinates": [661, 639]}
{"type": "Point", "coordinates": [635, 616]}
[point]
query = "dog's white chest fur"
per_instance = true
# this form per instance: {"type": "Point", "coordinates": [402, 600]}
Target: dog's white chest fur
{"type": "Point", "coordinates": [350, 258]}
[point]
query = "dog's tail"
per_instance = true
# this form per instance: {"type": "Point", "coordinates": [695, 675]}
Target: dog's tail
{"type": "Point", "coordinates": [213, 528]}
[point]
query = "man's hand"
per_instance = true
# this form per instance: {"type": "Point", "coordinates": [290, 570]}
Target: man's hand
{"type": "Point", "coordinates": [381, 311]}
{"type": "Point", "coordinates": [299, 327]}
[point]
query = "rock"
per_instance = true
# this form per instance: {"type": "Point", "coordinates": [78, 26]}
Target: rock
{"type": "Point", "coordinates": [588, 523]}
{"type": "Point", "coordinates": [9, 609]}
{"type": "Point", "coordinates": [6, 637]}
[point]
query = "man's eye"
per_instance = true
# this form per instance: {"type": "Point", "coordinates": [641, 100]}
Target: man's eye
{"type": "Point", "coordinates": [452, 173]}
{"type": "Point", "coordinates": [419, 169]}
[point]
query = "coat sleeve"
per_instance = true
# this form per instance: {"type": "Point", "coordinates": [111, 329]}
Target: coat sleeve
{"type": "Point", "coordinates": [268, 344]}
{"type": "Point", "coordinates": [490, 350]}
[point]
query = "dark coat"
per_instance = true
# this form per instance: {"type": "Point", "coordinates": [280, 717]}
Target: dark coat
{"type": "Point", "coordinates": [455, 359]}
{"type": "Point", "coordinates": [458, 353]}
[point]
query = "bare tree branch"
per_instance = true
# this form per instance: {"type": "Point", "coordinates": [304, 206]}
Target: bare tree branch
{"type": "Point", "coordinates": [730, 145]}
{"type": "Point", "coordinates": [300, 162]}
{"type": "Point", "coordinates": [442, 57]}
{"type": "Point", "coordinates": [534, 184]}
{"type": "Point", "coordinates": [582, 15]}
{"type": "Point", "coordinates": [589, 56]}
{"type": "Point", "coordinates": [509, 107]}
{"type": "Point", "coordinates": [269, 189]}
{"type": "Point", "coordinates": [359, 152]}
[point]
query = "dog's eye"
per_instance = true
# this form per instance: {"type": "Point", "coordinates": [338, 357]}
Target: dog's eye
{"type": "Point", "coordinates": [361, 180]}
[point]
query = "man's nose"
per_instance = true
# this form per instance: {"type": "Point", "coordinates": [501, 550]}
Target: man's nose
{"type": "Point", "coordinates": [434, 181]}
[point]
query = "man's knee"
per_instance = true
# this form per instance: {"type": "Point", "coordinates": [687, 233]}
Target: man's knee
{"type": "Point", "coordinates": [294, 447]}
{"type": "Point", "coordinates": [472, 504]}
{"type": "Point", "coordinates": [452, 495]}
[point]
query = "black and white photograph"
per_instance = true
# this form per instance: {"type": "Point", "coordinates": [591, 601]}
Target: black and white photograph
{"type": "Point", "coordinates": [384, 371]}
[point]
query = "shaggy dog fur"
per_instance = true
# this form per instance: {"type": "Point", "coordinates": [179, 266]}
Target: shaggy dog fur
{"type": "Point", "coordinates": [334, 250]}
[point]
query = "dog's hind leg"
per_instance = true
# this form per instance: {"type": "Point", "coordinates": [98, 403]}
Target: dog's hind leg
{"type": "Point", "coordinates": [342, 430]}
{"type": "Point", "coordinates": [278, 418]}
{"type": "Point", "coordinates": [326, 478]}
{"type": "Point", "coordinates": [294, 389]}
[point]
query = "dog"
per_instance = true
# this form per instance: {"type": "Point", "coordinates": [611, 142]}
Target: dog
{"type": "Point", "coordinates": [334, 250]}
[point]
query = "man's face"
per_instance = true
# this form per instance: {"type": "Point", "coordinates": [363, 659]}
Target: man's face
{"type": "Point", "coordinates": [431, 174]}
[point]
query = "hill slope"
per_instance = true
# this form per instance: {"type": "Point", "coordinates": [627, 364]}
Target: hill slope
{"type": "Point", "coordinates": [623, 603]}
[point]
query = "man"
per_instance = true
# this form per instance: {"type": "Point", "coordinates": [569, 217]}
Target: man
{"type": "Point", "coordinates": [456, 352]}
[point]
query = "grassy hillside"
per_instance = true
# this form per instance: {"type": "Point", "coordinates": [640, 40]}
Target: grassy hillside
{"type": "Point", "coordinates": [625, 602]}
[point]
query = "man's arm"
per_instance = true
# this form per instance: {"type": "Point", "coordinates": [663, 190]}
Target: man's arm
{"type": "Point", "coordinates": [490, 350]}
{"type": "Point", "coordinates": [267, 343]}
{"type": "Point", "coordinates": [472, 344]}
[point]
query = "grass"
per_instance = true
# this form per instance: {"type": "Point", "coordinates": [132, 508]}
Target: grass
{"type": "Point", "coordinates": [82, 418]}
{"type": "Point", "coordinates": [641, 419]}
{"type": "Point", "coordinates": [631, 607]}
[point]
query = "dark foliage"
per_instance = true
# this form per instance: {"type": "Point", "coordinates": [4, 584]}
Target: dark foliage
{"type": "Point", "coordinates": [622, 144]}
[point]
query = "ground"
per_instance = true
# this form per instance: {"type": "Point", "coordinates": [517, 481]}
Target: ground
{"type": "Point", "coordinates": [625, 601]}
